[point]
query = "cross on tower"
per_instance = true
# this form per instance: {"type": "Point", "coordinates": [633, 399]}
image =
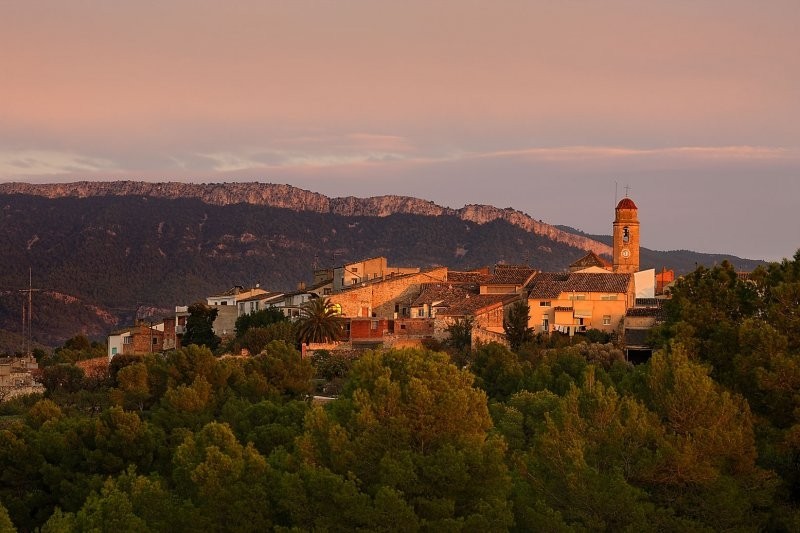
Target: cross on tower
{"type": "Point", "coordinates": [627, 189]}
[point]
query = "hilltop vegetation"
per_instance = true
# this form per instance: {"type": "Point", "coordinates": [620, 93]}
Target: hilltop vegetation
{"type": "Point", "coordinates": [552, 437]}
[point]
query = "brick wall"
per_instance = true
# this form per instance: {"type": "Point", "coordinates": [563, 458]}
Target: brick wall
{"type": "Point", "coordinates": [414, 327]}
{"type": "Point", "coordinates": [142, 340]}
{"type": "Point", "coordinates": [370, 328]}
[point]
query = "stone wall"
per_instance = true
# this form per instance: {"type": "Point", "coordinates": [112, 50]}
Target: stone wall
{"type": "Point", "coordinates": [379, 297]}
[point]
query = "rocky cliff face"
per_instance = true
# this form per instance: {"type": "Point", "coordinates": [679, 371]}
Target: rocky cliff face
{"type": "Point", "coordinates": [288, 197]}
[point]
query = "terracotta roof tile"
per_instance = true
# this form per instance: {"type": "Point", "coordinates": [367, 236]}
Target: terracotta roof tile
{"type": "Point", "coordinates": [552, 284]}
{"type": "Point", "coordinates": [626, 203]}
{"type": "Point", "coordinates": [475, 303]}
{"type": "Point", "coordinates": [440, 292]}
{"type": "Point", "coordinates": [589, 260]}
{"type": "Point", "coordinates": [466, 277]}
{"type": "Point", "coordinates": [510, 275]}
{"type": "Point", "coordinates": [648, 302]}
{"type": "Point", "coordinates": [655, 312]}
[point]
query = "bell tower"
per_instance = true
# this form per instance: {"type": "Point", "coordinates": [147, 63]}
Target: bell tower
{"type": "Point", "coordinates": [626, 237]}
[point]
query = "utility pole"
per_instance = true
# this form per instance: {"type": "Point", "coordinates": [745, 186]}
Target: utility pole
{"type": "Point", "coordinates": [27, 315]}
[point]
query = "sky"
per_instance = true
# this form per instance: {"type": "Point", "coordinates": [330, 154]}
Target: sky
{"type": "Point", "coordinates": [549, 107]}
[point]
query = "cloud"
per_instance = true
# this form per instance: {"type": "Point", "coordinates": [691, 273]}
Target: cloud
{"type": "Point", "coordinates": [575, 153]}
{"type": "Point", "coordinates": [46, 162]}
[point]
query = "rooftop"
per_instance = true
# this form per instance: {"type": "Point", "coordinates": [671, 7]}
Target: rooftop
{"type": "Point", "coordinates": [259, 297]}
{"type": "Point", "coordinates": [589, 260]}
{"type": "Point", "coordinates": [445, 293]}
{"type": "Point", "coordinates": [475, 303]}
{"type": "Point", "coordinates": [626, 203]}
{"type": "Point", "coordinates": [510, 275]}
{"type": "Point", "coordinates": [547, 285]}
{"type": "Point", "coordinates": [466, 277]}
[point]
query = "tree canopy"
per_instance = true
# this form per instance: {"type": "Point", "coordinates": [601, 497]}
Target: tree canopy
{"type": "Point", "coordinates": [550, 437]}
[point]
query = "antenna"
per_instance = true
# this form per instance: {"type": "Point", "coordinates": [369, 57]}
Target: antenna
{"type": "Point", "coordinates": [616, 197]}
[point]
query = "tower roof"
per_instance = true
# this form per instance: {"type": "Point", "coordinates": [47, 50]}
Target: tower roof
{"type": "Point", "coordinates": [626, 203]}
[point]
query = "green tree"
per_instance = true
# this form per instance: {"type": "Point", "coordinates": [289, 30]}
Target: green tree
{"type": "Point", "coordinates": [6, 526]}
{"type": "Point", "coordinates": [200, 326]}
{"type": "Point", "coordinates": [257, 338]}
{"type": "Point", "coordinates": [284, 369]}
{"type": "Point", "coordinates": [259, 319]}
{"type": "Point", "coordinates": [133, 389]}
{"type": "Point", "coordinates": [226, 481]}
{"type": "Point", "coordinates": [62, 378]}
{"type": "Point", "coordinates": [319, 322]}
{"type": "Point", "coordinates": [460, 334]}
{"type": "Point", "coordinates": [410, 423]}
{"type": "Point", "coordinates": [127, 503]}
{"type": "Point", "coordinates": [516, 325]}
{"type": "Point", "coordinates": [497, 370]}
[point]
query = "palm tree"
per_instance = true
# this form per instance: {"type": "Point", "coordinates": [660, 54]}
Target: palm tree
{"type": "Point", "coordinates": [319, 322]}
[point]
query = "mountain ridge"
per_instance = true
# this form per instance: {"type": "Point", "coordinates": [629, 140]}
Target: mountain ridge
{"type": "Point", "coordinates": [297, 199]}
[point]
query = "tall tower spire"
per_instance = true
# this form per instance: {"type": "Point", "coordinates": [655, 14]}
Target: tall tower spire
{"type": "Point", "coordinates": [626, 237]}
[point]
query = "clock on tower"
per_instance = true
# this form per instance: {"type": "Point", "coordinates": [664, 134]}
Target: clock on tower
{"type": "Point", "coordinates": [626, 237]}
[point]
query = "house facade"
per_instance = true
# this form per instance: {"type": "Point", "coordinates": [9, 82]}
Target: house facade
{"type": "Point", "coordinates": [486, 311]}
{"type": "Point", "coordinates": [385, 297]}
{"type": "Point", "coordinates": [375, 268]}
{"type": "Point", "coordinates": [575, 302]}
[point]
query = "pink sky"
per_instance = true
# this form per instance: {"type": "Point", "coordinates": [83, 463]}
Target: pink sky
{"type": "Point", "coordinates": [536, 105]}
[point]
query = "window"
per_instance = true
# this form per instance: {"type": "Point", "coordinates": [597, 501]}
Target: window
{"type": "Point", "coordinates": [373, 325]}
{"type": "Point", "coordinates": [626, 234]}
{"type": "Point", "coordinates": [326, 291]}
{"type": "Point", "coordinates": [155, 341]}
{"type": "Point", "coordinates": [577, 296]}
{"type": "Point", "coordinates": [114, 350]}
{"type": "Point", "coordinates": [421, 312]}
{"type": "Point", "coordinates": [544, 304]}
{"type": "Point", "coordinates": [606, 320]}
{"type": "Point", "coordinates": [355, 270]}
{"type": "Point", "coordinates": [127, 340]}
{"type": "Point", "coordinates": [545, 325]}
{"type": "Point", "coordinates": [608, 297]}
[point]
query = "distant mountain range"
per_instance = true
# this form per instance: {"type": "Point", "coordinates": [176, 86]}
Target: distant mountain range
{"type": "Point", "coordinates": [100, 251]}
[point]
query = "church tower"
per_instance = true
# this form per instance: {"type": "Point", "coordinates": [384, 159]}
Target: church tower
{"type": "Point", "coordinates": [626, 237]}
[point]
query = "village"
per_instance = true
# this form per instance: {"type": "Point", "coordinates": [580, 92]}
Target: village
{"type": "Point", "coordinates": [384, 306]}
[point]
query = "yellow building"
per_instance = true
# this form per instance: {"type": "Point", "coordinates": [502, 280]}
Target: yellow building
{"type": "Point", "coordinates": [574, 302]}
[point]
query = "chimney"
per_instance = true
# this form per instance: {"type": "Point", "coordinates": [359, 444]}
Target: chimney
{"type": "Point", "coordinates": [301, 286]}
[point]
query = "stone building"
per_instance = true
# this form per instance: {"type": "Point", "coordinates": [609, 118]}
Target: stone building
{"type": "Point", "coordinates": [626, 237]}
{"type": "Point", "coordinates": [572, 302]}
